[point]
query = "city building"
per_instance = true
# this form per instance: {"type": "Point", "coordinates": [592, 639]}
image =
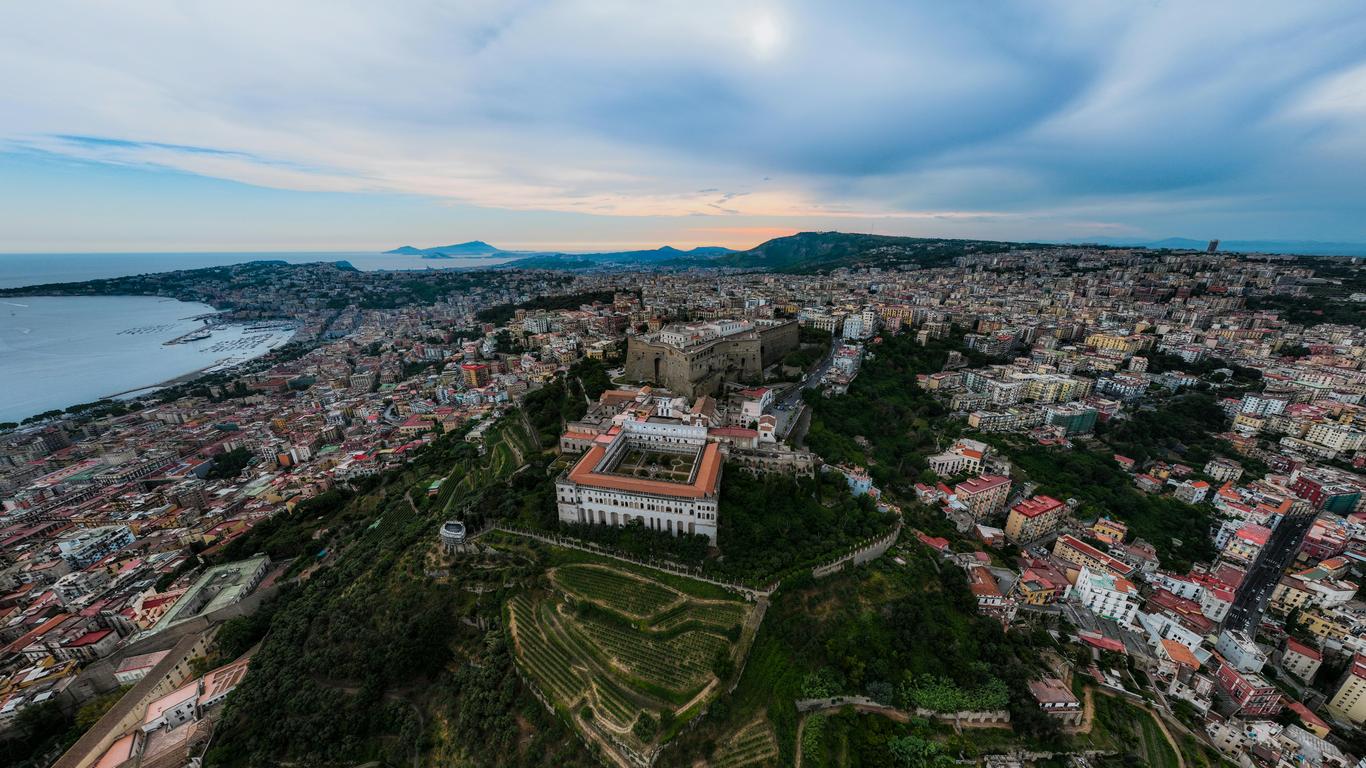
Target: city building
{"type": "Point", "coordinates": [474, 375]}
{"type": "Point", "coordinates": [1246, 694]}
{"type": "Point", "coordinates": [1223, 470]}
{"type": "Point", "coordinates": [1106, 595]}
{"type": "Point", "coordinates": [983, 496]}
{"type": "Point", "coordinates": [1349, 700]}
{"type": "Point", "coordinates": [1072, 418]}
{"type": "Point", "coordinates": [217, 588]}
{"type": "Point", "coordinates": [1078, 553]}
{"type": "Point", "coordinates": [1299, 659]}
{"type": "Point", "coordinates": [964, 456]}
{"type": "Point", "coordinates": [90, 545]}
{"type": "Point", "coordinates": [1056, 699]}
{"type": "Point", "coordinates": [991, 601]}
{"type": "Point", "coordinates": [1240, 651]}
{"type": "Point", "coordinates": [1034, 517]}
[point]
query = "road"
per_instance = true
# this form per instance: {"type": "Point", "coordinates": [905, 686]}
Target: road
{"type": "Point", "coordinates": [788, 407]}
{"type": "Point", "coordinates": [1255, 591]}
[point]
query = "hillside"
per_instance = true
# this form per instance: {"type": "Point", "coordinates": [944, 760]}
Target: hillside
{"type": "Point", "coordinates": [664, 256]}
{"type": "Point", "coordinates": [823, 251]}
{"type": "Point", "coordinates": [804, 252]}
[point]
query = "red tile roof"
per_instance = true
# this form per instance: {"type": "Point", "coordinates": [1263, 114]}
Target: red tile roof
{"type": "Point", "coordinates": [1308, 651]}
{"type": "Point", "coordinates": [704, 484]}
{"type": "Point", "coordinates": [1038, 505]}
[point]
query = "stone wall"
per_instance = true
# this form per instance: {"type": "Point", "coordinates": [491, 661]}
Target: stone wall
{"type": "Point", "coordinates": [702, 370]}
{"type": "Point", "coordinates": [865, 553]}
{"type": "Point", "coordinates": [986, 717]}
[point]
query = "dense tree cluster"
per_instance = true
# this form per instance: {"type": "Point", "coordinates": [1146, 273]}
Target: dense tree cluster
{"type": "Point", "coordinates": [1179, 531]}
{"type": "Point", "coordinates": [1178, 428]}
{"type": "Point", "coordinates": [565, 399]}
{"type": "Point", "coordinates": [500, 314]}
{"type": "Point", "coordinates": [774, 525]}
{"type": "Point", "coordinates": [359, 656]}
{"type": "Point", "coordinates": [229, 465]}
{"type": "Point", "coordinates": [880, 630]}
{"type": "Point", "coordinates": [885, 422]}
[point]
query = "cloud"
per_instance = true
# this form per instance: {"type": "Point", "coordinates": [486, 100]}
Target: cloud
{"type": "Point", "coordinates": [1100, 115]}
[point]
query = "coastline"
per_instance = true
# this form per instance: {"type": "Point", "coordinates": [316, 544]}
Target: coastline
{"type": "Point", "coordinates": [184, 378]}
{"type": "Point", "coordinates": [121, 350]}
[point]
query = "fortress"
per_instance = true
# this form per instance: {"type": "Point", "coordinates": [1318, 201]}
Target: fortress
{"type": "Point", "coordinates": [695, 359]}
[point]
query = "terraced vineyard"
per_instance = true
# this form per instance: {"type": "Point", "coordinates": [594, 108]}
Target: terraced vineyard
{"type": "Point", "coordinates": [544, 658]}
{"type": "Point", "coordinates": [681, 664]}
{"type": "Point", "coordinates": [609, 645]}
{"type": "Point", "coordinates": [614, 704]}
{"type": "Point", "coordinates": [635, 597]}
{"type": "Point", "coordinates": [716, 614]}
{"type": "Point", "coordinates": [754, 745]}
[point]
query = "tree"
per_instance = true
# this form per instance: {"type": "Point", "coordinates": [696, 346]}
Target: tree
{"type": "Point", "coordinates": [915, 752]}
{"type": "Point", "coordinates": [646, 727]}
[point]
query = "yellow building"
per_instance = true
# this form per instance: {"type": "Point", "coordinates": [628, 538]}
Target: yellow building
{"type": "Point", "coordinates": [1288, 595]}
{"type": "Point", "coordinates": [1349, 703]}
{"type": "Point", "coordinates": [1127, 344]}
{"type": "Point", "coordinates": [1040, 586]}
{"type": "Point", "coordinates": [1083, 555]}
{"type": "Point", "coordinates": [1109, 531]}
{"type": "Point", "coordinates": [1325, 624]}
{"type": "Point", "coordinates": [1034, 517]}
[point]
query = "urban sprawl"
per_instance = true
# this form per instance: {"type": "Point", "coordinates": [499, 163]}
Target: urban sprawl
{"type": "Point", "coordinates": [1144, 459]}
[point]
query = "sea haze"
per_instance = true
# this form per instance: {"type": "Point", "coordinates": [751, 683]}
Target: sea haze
{"type": "Point", "coordinates": [58, 351]}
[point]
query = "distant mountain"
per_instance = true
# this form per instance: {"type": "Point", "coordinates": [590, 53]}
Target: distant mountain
{"type": "Point", "coordinates": [1301, 247]}
{"type": "Point", "coordinates": [824, 251]}
{"type": "Point", "coordinates": [666, 255]}
{"type": "Point", "coordinates": [471, 249]}
{"type": "Point", "coordinates": [808, 252]}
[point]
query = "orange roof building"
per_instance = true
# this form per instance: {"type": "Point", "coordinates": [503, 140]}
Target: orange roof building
{"type": "Point", "coordinates": [658, 473]}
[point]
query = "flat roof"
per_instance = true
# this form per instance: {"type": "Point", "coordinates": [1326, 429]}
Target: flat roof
{"type": "Point", "coordinates": [1051, 691]}
{"type": "Point", "coordinates": [118, 753]}
{"type": "Point", "coordinates": [1037, 505]}
{"type": "Point", "coordinates": [158, 707]}
{"type": "Point", "coordinates": [230, 580]}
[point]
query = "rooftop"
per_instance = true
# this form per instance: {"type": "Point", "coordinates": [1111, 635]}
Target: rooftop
{"type": "Point", "coordinates": [1052, 691]}
{"type": "Point", "coordinates": [1038, 505]}
{"type": "Point", "coordinates": [705, 482]}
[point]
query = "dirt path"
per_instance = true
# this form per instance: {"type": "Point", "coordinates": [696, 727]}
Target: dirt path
{"type": "Point", "coordinates": [1089, 716]}
{"type": "Point", "coordinates": [1088, 713]}
{"type": "Point", "coordinates": [1180, 759]}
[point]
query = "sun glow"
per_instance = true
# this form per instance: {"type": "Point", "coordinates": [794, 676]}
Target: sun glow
{"type": "Point", "coordinates": [765, 36]}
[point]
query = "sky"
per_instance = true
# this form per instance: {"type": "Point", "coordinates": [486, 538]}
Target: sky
{"type": "Point", "coordinates": [337, 125]}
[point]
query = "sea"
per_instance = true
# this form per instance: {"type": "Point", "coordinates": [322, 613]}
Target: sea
{"type": "Point", "coordinates": [59, 351]}
{"type": "Point", "coordinates": [21, 269]}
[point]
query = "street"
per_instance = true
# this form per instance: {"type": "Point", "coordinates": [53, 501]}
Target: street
{"type": "Point", "coordinates": [1261, 579]}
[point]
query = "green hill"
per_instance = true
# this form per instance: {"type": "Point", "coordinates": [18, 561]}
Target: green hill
{"type": "Point", "coordinates": [824, 251]}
